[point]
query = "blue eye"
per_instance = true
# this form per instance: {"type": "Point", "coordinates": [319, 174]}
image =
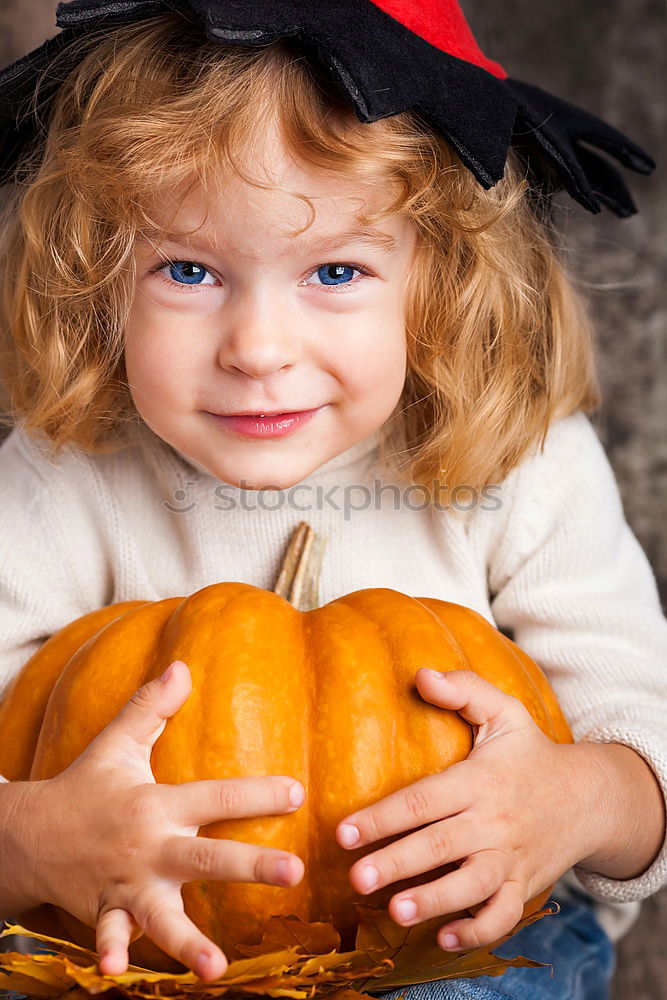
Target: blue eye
{"type": "Point", "coordinates": [333, 274]}
{"type": "Point", "coordinates": [190, 271]}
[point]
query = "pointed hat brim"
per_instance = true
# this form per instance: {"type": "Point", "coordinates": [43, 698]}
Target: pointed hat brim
{"type": "Point", "coordinates": [466, 98]}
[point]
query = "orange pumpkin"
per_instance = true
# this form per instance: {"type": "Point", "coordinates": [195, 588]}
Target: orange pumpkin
{"type": "Point", "coordinates": [325, 695]}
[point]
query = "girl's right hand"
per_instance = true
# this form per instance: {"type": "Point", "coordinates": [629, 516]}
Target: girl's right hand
{"type": "Point", "coordinates": [116, 847]}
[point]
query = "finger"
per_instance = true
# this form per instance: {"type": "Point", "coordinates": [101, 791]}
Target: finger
{"type": "Point", "coordinates": [433, 797]}
{"type": "Point", "coordinates": [195, 803]}
{"type": "Point", "coordinates": [163, 919]}
{"type": "Point", "coordinates": [474, 882]}
{"type": "Point", "coordinates": [437, 844]}
{"type": "Point", "coordinates": [188, 859]}
{"type": "Point", "coordinates": [141, 721]}
{"type": "Point", "coordinates": [476, 699]}
{"type": "Point", "coordinates": [498, 918]}
{"type": "Point", "coordinates": [115, 930]}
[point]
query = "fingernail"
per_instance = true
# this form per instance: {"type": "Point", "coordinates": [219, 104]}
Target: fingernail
{"type": "Point", "coordinates": [369, 876]}
{"type": "Point", "coordinates": [297, 795]}
{"type": "Point", "coordinates": [437, 674]}
{"type": "Point", "coordinates": [349, 835]}
{"type": "Point", "coordinates": [202, 963]}
{"type": "Point", "coordinates": [451, 942]}
{"type": "Point", "coordinates": [167, 674]}
{"type": "Point", "coordinates": [406, 909]}
{"type": "Point", "coordinates": [283, 870]}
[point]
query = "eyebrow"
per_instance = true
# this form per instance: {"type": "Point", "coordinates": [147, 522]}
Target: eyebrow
{"type": "Point", "coordinates": [382, 241]}
{"type": "Point", "coordinates": [373, 237]}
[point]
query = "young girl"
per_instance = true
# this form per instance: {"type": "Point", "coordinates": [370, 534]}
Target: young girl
{"type": "Point", "coordinates": [233, 301]}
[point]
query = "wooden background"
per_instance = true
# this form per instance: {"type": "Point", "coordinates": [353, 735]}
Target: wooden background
{"type": "Point", "coordinates": [608, 58]}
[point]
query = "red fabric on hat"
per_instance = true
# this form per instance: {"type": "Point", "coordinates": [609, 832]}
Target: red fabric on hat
{"type": "Point", "coordinates": [441, 23]}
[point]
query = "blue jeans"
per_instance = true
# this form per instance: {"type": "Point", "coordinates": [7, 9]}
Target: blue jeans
{"type": "Point", "coordinates": [572, 941]}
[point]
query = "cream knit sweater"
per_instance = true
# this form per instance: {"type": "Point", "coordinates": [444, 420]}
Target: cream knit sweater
{"type": "Point", "coordinates": [548, 557]}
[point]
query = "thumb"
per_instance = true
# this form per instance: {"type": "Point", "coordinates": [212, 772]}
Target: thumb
{"type": "Point", "coordinates": [479, 701]}
{"type": "Point", "coordinates": [141, 721]}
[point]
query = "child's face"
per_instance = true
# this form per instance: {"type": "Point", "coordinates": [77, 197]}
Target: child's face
{"type": "Point", "coordinates": [266, 324]}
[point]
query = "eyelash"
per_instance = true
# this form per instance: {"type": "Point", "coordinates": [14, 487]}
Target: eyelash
{"type": "Point", "coordinates": [336, 289]}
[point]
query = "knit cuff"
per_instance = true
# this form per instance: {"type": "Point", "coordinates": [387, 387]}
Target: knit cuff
{"type": "Point", "coordinates": [649, 743]}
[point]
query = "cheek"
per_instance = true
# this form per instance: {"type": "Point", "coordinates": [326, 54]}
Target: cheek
{"type": "Point", "coordinates": [383, 363]}
{"type": "Point", "coordinates": [374, 380]}
{"type": "Point", "coordinates": [159, 355]}
{"type": "Point", "coordinates": [395, 377]}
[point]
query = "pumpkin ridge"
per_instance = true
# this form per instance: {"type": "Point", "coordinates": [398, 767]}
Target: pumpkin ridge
{"type": "Point", "coordinates": [547, 723]}
{"type": "Point", "coordinates": [559, 725]}
{"type": "Point", "coordinates": [33, 686]}
{"type": "Point", "coordinates": [345, 639]}
{"type": "Point", "coordinates": [501, 661]}
{"type": "Point", "coordinates": [363, 613]}
{"type": "Point", "coordinates": [422, 720]}
{"type": "Point", "coordinates": [58, 743]}
{"type": "Point", "coordinates": [313, 852]}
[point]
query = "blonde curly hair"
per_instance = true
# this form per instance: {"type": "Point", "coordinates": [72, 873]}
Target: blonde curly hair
{"type": "Point", "coordinates": [499, 340]}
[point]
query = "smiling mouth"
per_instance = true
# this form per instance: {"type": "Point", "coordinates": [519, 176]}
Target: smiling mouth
{"type": "Point", "coordinates": [267, 425]}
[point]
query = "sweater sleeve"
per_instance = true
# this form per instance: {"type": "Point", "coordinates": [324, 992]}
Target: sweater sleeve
{"type": "Point", "coordinates": [41, 545]}
{"type": "Point", "coordinates": [571, 581]}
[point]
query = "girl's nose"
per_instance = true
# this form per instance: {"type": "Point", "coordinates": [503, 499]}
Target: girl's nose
{"type": "Point", "coordinates": [258, 342]}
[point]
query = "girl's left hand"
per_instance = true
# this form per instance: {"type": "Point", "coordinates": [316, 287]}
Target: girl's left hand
{"type": "Point", "coordinates": [516, 811]}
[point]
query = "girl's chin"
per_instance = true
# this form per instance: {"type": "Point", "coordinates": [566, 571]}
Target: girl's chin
{"type": "Point", "coordinates": [254, 471]}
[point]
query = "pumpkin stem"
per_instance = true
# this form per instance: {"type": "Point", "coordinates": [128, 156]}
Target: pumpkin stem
{"type": "Point", "coordinates": [299, 576]}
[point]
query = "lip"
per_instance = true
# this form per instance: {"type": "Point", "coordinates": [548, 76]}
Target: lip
{"type": "Point", "coordinates": [261, 413]}
{"type": "Point", "coordinates": [269, 426]}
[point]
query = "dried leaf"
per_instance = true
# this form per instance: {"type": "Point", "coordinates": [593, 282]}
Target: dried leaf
{"type": "Point", "coordinates": [26, 984]}
{"type": "Point", "coordinates": [294, 959]}
{"type": "Point", "coordinates": [417, 956]}
{"type": "Point", "coordinates": [279, 931]}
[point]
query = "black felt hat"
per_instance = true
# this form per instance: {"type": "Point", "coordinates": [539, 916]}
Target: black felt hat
{"type": "Point", "coordinates": [386, 56]}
